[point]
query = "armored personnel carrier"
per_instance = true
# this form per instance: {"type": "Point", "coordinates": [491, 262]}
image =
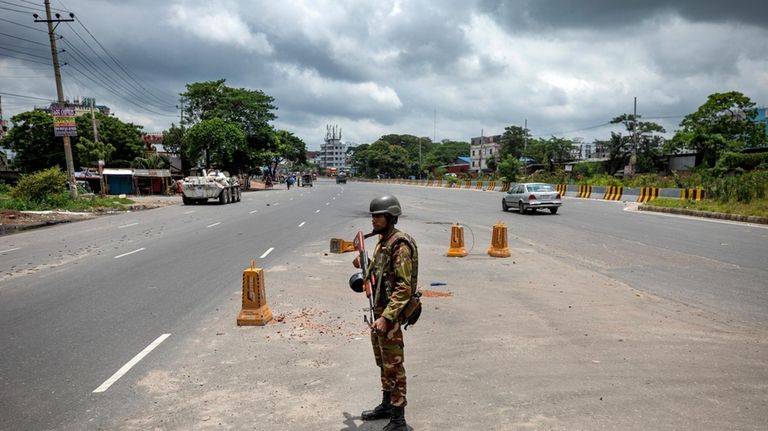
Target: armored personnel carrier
{"type": "Point", "coordinates": [214, 184]}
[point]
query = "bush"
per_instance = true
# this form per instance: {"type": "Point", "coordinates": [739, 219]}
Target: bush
{"type": "Point", "coordinates": [41, 186]}
{"type": "Point", "coordinates": [744, 187]}
{"type": "Point", "coordinates": [729, 162]}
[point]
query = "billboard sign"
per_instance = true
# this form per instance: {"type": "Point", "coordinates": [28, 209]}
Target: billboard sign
{"type": "Point", "coordinates": [64, 121]}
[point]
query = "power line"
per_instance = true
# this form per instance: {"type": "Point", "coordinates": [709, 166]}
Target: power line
{"type": "Point", "coordinates": [23, 97]}
{"type": "Point", "coordinates": [22, 25]}
{"type": "Point", "coordinates": [116, 74]}
{"type": "Point", "coordinates": [25, 40]}
{"type": "Point", "coordinates": [35, 4]}
{"type": "Point", "coordinates": [24, 59]}
{"type": "Point", "coordinates": [16, 10]}
{"type": "Point", "coordinates": [22, 52]}
{"type": "Point", "coordinates": [574, 131]}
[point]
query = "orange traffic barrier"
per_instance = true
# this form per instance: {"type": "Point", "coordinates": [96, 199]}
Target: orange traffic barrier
{"type": "Point", "coordinates": [499, 246]}
{"type": "Point", "coordinates": [338, 245]}
{"type": "Point", "coordinates": [457, 242]}
{"type": "Point", "coordinates": [255, 309]}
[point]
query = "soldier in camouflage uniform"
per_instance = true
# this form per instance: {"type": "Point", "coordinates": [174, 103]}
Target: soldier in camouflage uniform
{"type": "Point", "coordinates": [393, 276]}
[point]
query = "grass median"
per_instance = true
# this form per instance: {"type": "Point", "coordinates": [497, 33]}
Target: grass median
{"type": "Point", "coordinates": [758, 207]}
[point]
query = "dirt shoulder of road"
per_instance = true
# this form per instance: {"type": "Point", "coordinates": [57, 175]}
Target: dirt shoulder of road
{"type": "Point", "coordinates": [12, 221]}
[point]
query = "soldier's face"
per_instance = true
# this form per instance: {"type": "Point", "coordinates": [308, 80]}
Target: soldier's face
{"type": "Point", "coordinates": [379, 222]}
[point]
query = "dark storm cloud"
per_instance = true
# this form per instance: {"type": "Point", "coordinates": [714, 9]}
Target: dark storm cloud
{"type": "Point", "coordinates": [611, 14]}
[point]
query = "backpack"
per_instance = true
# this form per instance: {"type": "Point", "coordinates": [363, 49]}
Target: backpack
{"type": "Point", "coordinates": [410, 314]}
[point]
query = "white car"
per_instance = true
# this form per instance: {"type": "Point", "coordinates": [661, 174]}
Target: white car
{"type": "Point", "coordinates": [530, 197]}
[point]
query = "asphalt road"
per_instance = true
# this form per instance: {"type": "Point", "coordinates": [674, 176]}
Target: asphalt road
{"type": "Point", "coordinates": [78, 301]}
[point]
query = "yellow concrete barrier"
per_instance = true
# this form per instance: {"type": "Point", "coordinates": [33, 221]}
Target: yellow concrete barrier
{"type": "Point", "coordinates": [491, 186]}
{"type": "Point", "coordinates": [648, 194]}
{"type": "Point", "coordinates": [499, 246]}
{"type": "Point", "coordinates": [561, 188]}
{"type": "Point", "coordinates": [692, 194]}
{"type": "Point", "coordinates": [585, 191]}
{"type": "Point", "coordinates": [457, 242]}
{"type": "Point", "coordinates": [613, 193]}
{"type": "Point", "coordinates": [479, 185]}
{"type": "Point", "coordinates": [255, 310]}
{"type": "Point", "coordinates": [505, 186]}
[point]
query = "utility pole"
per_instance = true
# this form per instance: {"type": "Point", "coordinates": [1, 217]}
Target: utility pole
{"type": "Point", "coordinates": [480, 164]}
{"type": "Point", "coordinates": [633, 157]}
{"type": "Point", "coordinates": [181, 113]}
{"type": "Point", "coordinates": [59, 89]}
{"type": "Point", "coordinates": [525, 134]}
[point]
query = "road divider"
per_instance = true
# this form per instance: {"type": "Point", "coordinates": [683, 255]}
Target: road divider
{"type": "Point", "coordinates": [648, 194]}
{"type": "Point", "coordinates": [613, 193]}
{"type": "Point", "coordinates": [561, 188]}
{"type": "Point", "coordinates": [584, 191]}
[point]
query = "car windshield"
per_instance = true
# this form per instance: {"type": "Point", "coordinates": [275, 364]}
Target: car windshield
{"type": "Point", "coordinates": [540, 188]}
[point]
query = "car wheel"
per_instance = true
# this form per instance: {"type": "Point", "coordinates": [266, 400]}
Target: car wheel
{"type": "Point", "coordinates": [185, 200]}
{"type": "Point", "coordinates": [521, 207]}
{"type": "Point", "coordinates": [504, 206]}
{"type": "Point", "coordinates": [553, 210]}
{"type": "Point", "coordinates": [223, 197]}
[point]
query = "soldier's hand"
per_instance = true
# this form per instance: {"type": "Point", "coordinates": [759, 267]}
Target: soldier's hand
{"type": "Point", "coordinates": [356, 262]}
{"type": "Point", "coordinates": [381, 325]}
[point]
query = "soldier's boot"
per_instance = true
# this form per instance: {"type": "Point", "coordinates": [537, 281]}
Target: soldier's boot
{"type": "Point", "coordinates": [397, 420]}
{"type": "Point", "coordinates": [382, 411]}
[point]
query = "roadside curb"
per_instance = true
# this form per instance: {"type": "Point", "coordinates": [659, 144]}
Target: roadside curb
{"type": "Point", "coordinates": [706, 214]}
{"type": "Point", "coordinates": [13, 228]}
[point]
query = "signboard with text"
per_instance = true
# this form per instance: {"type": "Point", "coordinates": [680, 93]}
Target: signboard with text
{"type": "Point", "coordinates": [64, 121]}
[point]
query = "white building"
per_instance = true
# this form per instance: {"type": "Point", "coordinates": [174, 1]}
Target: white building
{"type": "Point", "coordinates": [481, 149]}
{"type": "Point", "coordinates": [332, 151]}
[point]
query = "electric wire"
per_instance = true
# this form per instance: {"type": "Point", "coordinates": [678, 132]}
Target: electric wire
{"type": "Point", "coordinates": [22, 52]}
{"type": "Point", "coordinates": [25, 40]}
{"type": "Point", "coordinates": [2, 93]}
{"type": "Point", "coordinates": [24, 59]}
{"type": "Point", "coordinates": [35, 4]}
{"type": "Point", "coordinates": [116, 74]}
{"type": "Point", "coordinates": [151, 94]}
{"type": "Point", "coordinates": [23, 25]}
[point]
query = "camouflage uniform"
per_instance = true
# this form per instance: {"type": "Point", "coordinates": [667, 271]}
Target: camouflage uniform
{"type": "Point", "coordinates": [395, 268]}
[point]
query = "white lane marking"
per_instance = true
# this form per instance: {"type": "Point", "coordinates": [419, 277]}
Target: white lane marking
{"type": "Point", "coordinates": [317, 211]}
{"type": "Point", "coordinates": [276, 203]}
{"type": "Point", "coordinates": [189, 212]}
{"type": "Point", "coordinates": [334, 198]}
{"type": "Point", "coordinates": [130, 252]}
{"type": "Point", "coordinates": [254, 211]}
{"type": "Point", "coordinates": [302, 224]}
{"type": "Point", "coordinates": [215, 224]}
{"type": "Point", "coordinates": [290, 199]}
{"type": "Point", "coordinates": [115, 377]}
{"type": "Point", "coordinates": [10, 249]}
{"type": "Point", "coordinates": [266, 253]}
{"type": "Point", "coordinates": [127, 225]}
{"type": "Point", "coordinates": [327, 203]}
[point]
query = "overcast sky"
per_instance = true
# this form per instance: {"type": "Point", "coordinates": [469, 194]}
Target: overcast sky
{"type": "Point", "coordinates": [439, 68]}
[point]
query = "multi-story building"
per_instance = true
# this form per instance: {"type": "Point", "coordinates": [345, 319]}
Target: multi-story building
{"type": "Point", "coordinates": [332, 151]}
{"type": "Point", "coordinates": [82, 107]}
{"type": "Point", "coordinates": [481, 149]}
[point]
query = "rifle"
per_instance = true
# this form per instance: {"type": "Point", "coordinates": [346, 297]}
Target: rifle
{"type": "Point", "coordinates": [359, 243]}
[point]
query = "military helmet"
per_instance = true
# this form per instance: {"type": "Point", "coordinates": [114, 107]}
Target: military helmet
{"type": "Point", "coordinates": [387, 204]}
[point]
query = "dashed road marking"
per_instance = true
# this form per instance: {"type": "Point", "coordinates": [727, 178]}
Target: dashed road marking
{"type": "Point", "coordinates": [125, 368]}
{"type": "Point", "coordinates": [266, 253]}
{"type": "Point", "coordinates": [214, 224]}
{"type": "Point", "coordinates": [189, 212]}
{"type": "Point", "coordinates": [327, 203]}
{"type": "Point", "coordinates": [129, 253]}
{"type": "Point", "coordinates": [127, 225]}
{"type": "Point", "coordinates": [301, 224]}
{"type": "Point", "coordinates": [254, 211]}
{"type": "Point", "coordinates": [10, 250]}
{"type": "Point", "coordinates": [317, 211]}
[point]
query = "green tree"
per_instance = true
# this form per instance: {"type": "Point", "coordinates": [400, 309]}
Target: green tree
{"type": "Point", "coordinates": [31, 138]}
{"type": "Point", "coordinates": [509, 168]}
{"type": "Point", "coordinates": [152, 161]}
{"type": "Point", "coordinates": [445, 153]}
{"type": "Point", "coordinates": [643, 142]}
{"type": "Point", "coordinates": [287, 147]}
{"type": "Point", "coordinates": [213, 142]}
{"type": "Point", "coordinates": [550, 151]}
{"type": "Point", "coordinates": [414, 146]}
{"type": "Point", "coordinates": [125, 138]}
{"type": "Point", "coordinates": [252, 110]}
{"type": "Point", "coordinates": [725, 122]}
{"type": "Point", "coordinates": [513, 141]}
{"type": "Point", "coordinates": [382, 158]}
{"type": "Point", "coordinates": [90, 152]}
